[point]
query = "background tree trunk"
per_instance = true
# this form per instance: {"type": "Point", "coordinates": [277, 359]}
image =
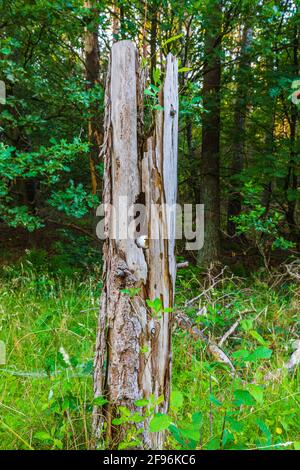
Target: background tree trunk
{"type": "Point", "coordinates": [92, 69]}
{"type": "Point", "coordinates": [292, 180]}
{"type": "Point", "coordinates": [240, 112]}
{"type": "Point", "coordinates": [210, 178]}
{"type": "Point", "coordinates": [133, 350]}
{"type": "Point", "coordinates": [153, 37]}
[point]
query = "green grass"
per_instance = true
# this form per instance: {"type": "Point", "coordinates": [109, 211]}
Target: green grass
{"type": "Point", "coordinates": [46, 396]}
{"type": "Point", "coordinates": [270, 320]}
{"type": "Point", "coordinates": [40, 314]}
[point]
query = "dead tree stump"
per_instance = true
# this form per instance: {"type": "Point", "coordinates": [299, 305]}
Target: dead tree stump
{"type": "Point", "coordinates": [133, 348]}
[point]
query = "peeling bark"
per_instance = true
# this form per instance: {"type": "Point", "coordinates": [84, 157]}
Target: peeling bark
{"type": "Point", "coordinates": [127, 327]}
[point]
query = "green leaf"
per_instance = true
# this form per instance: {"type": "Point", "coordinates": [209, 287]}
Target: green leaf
{"type": "Point", "coordinates": [265, 430]}
{"type": "Point", "coordinates": [243, 397]}
{"type": "Point", "coordinates": [118, 421]}
{"type": "Point", "coordinates": [235, 425]}
{"type": "Point", "coordinates": [177, 434]}
{"type": "Point", "coordinates": [246, 324]}
{"type": "Point", "coordinates": [132, 291]}
{"type": "Point", "coordinates": [214, 400]}
{"type": "Point", "coordinates": [5, 50]}
{"type": "Point", "coordinates": [197, 419]}
{"type": "Point", "coordinates": [173, 38]}
{"type": "Point", "coordinates": [149, 92]}
{"type": "Point", "coordinates": [144, 349]}
{"type": "Point", "coordinates": [297, 445]}
{"type": "Point", "coordinates": [159, 400]}
{"type": "Point", "coordinates": [176, 399]}
{"type": "Point", "coordinates": [156, 76]}
{"type": "Point", "coordinates": [188, 431]}
{"type": "Point", "coordinates": [136, 418]}
{"type": "Point", "coordinates": [100, 401]}
{"type": "Point", "coordinates": [125, 412]}
{"type": "Point", "coordinates": [184, 69]}
{"type": "Point", "coordinates": [155, 305]}
{"type": "Point", "coordinates": [159, 422]}
{"type": "Point", "coordinates": [58, 444]}
{"type": "Point", "coordinates": [296, 84]}
{"type": "Point", "coordinates": [168, 310]}
{"type": "Point", "coordinates": [214, 444]}
{"type": "Point", "coordinates": [43, 436]}
{"type": "Point", "coordinates": [257, 393]}
{"type": "Point", "coordinates": [142, 402]}
{"type": "Point", "coordinates": [191, 433]}
{"type": "Point", "coordinates": [240, 354]}
{"type": "Point", "coordinates": [227, 437]}
{"type": "Point", "coordinates": [258, 337]}
{"type": "Point", "coordinates": [259, 353]}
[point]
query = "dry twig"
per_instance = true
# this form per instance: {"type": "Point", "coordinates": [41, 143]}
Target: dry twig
{"type": "Point", "coordinates": [229, 332]}
{"type": "Point", "coordinates": [184, 322]}
{"type": "Point", "coordinates": [292, 272]}
{"type": "Point", "coordinates": [290, 365]}
{"type": "Point", "coordinates": [184, 264]}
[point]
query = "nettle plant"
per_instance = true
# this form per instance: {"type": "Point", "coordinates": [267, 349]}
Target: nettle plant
{"type": "Point", "coordinates": [188, 431]}
{"type": "Point", "coordinates": [261, 225]}
{"type": "Point", "coordinates": [151, 93]}
{"type": "Point", "coordinates": [156, 308]}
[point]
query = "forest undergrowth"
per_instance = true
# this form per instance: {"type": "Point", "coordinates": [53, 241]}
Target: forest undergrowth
{"type": "Point", "coordinates": [48, 321]}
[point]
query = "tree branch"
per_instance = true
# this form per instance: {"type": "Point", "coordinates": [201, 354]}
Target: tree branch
{"type": "Point", "coordinates": [185, 323]}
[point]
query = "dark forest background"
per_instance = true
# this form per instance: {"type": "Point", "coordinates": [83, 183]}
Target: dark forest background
{"type": "Point", "coordinates": [239, 140]}
{"type": "Point", "coordinates": [239, 137]}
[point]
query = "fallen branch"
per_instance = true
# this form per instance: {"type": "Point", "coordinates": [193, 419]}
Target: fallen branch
{"type": "Point", "coordinates": [184, 264]}
{"type": "Point", "coordinates": [42, 374]}
{"type": "Point", "coordinates": [294, 360]}
{"type": "Point", "coordinates": [74, 227]}
{"type": "Point", "coordinates": [213, 283]}
{"type": "Point", "coordinates": [280, 444]}
{"type": "Point", "coordinates": [229, 332]}
{"type": "Point", "coordinates": [184, 322]}
{"type": "Point", "coordinates": [291, 272]}
{"type": "Point", "coordinates": [290, 365]}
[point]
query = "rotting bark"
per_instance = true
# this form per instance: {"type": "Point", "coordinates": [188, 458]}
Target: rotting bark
{"type": "Point", "coordinates": [123, 372]}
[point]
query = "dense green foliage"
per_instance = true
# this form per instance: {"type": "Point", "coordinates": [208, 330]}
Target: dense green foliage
{"type": "Point", "coordinates": [44, 124]}
{"type": "Point", "coordinates": [49, 280]}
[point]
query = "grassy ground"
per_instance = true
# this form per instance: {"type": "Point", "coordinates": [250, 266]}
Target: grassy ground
{"type": "Point", "coordinates": [48, 323]}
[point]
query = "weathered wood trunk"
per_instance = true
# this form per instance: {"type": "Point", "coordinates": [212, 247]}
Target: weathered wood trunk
{"type": "Point", "coordinates": [133, 350]}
